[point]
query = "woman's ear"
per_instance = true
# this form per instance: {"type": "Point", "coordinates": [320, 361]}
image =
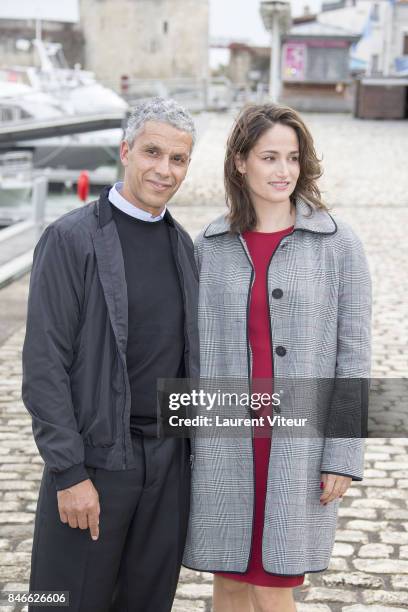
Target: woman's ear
{"type": "Point", "coordinates": [240, 164]}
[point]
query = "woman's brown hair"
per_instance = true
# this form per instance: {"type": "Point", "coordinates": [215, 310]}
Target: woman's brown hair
{"type": "Point", "coordinates": [251, 124]}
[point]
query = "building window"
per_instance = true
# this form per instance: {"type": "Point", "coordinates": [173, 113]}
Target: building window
{"type": "Point", "coordinates": [374, 64]}
{"type": "Point", "coordinates": [375, 12]}
{"type": "Point", "coordinates": [165, 27]}
{"type": "Point", "coordinates": [405, 45]}
{"type": "Point", "coordinates": [326, 65]}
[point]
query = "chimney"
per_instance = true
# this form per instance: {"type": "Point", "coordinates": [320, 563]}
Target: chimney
{"type": "Point", "coordinates": [306, 10]}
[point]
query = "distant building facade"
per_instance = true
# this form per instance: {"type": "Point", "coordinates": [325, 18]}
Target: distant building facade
{"type": "Point", "coordinates": [248, 64]}
{"type": "Point", "coordinates": [383, 27]}
{"type": "Point", "coordinates": [146, 39]}
{"type": "Point", "coordinates": [398, 57]}
{"type": "Point", "coordinates": [316, 68]}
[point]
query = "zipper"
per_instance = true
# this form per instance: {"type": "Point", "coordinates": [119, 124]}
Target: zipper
{"type": "Point", "coordinates": [124, 463]}
{"type": "Point", "coordinates": [174, 244]}
{"type": "Point", "coordinates": [183, 293]}
{"type": "Point", "coordinates": [186, 339]}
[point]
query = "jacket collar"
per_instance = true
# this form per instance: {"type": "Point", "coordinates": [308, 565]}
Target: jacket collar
{"type": "Point", "coordinates": [307, 219]}
{"type": "Point", "coordinates": [103, 209]}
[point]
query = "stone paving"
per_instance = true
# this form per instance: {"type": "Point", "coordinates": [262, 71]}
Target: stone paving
{"type": "Point", "coordinates": [365, 183]}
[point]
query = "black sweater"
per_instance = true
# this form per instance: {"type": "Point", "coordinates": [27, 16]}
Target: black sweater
{"type": "Point", "coordinates": [155, 347]}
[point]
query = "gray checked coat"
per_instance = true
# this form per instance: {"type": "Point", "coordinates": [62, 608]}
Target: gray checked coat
{"type": "Point", "coordinates": [320, 328]}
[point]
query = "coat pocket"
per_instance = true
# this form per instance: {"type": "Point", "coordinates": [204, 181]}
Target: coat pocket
{"type": "Point", "coordinates": [102, 431]}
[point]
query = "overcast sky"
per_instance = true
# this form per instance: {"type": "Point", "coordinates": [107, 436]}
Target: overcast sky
{"type": "Point", "coordinates": [241, 18]}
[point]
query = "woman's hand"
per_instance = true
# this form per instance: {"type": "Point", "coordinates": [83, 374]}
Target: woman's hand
{"type": "Point", "coordinates": [334, 486]}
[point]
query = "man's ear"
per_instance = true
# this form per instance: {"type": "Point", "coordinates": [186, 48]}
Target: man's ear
{"type": "Point", "coordinates": [124, 152]}
{"type": "Point", "coordinates": [240, 164]}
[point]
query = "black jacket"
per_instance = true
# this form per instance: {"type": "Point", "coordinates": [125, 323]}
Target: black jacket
{"type": "Point", "coordinates": [75, 381]}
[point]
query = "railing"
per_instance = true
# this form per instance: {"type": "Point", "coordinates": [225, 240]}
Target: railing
{"type": "Point", "coordinates": [215, 94]}
{"type": "Point", "coordinates": [18, 240]}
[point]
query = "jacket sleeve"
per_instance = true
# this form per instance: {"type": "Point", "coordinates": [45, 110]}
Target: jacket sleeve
{"type": "Point", "coordinates": [54, 305]}
{"type": "Point", "coordinates": [349, 405]}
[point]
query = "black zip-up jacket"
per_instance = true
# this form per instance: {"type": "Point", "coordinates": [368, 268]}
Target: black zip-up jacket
{"type": "Point", "coordinates": [75, 381]}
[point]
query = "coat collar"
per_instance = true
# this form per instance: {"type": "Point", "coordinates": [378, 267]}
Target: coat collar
{"type": "Point", "coordinates": [103, 209]}
{"type": "Point", "coordinates": [308, 219]}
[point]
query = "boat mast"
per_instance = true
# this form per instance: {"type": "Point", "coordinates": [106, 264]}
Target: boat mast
{"type": "Point", "coordinates": [38, 29]}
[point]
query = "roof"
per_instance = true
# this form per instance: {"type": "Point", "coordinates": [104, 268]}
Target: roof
{"type": "Point", "coordinates": [317, 29]}
{"type": "Point", "coordinates": [253, 49]}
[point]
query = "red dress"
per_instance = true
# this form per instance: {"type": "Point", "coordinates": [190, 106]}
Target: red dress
{"type": "Point", "coordinates": [261, 246]}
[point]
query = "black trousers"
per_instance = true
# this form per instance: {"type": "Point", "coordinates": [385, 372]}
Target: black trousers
{"type": "Point", "coordinates": [135, 564]}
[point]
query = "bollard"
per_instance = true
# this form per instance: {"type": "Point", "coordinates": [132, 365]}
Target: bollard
{"type": "Point", "coordinates": [83, 185]}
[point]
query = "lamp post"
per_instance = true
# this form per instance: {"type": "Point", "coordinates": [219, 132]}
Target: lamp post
{"type": "Point", "coordinates": [277, 18]}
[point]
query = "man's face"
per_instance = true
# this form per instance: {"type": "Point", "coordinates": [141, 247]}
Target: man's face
{"type": "Point", "coordinates": [155, 166]}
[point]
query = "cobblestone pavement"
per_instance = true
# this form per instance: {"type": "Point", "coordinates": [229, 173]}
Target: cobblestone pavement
{"type": "Point", "coordinates": [365, 183]}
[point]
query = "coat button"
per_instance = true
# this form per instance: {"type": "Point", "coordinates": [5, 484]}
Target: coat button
{"type": "Point", "coordinates": [277, 293]}
{"type": "Point", "coordinates": [281, 351]}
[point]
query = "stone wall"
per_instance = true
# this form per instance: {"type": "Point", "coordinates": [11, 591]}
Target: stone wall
{"type": "Point", "coordinates": [239, 65]}
{"type": "Point", "coordinates": [156, 39]}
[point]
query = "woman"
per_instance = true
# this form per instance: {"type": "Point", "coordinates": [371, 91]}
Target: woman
{"type": "Point", "coordinates": [285, 293]}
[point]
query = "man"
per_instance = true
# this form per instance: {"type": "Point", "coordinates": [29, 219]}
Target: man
{"type": "Point", "coordinates": [112, 308]}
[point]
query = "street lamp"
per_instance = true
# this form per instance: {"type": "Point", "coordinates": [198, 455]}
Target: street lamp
{"type": "Point", "coordinates": [277, 19]}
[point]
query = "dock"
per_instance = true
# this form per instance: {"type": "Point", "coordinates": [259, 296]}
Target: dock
{"type": "Point", "coordinates": [12, 133]}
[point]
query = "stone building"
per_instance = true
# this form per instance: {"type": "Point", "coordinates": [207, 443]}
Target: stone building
{"type": "Point", "coordinates": [148, 39]}
{"type": "Point", "coordinates": [248, 63]}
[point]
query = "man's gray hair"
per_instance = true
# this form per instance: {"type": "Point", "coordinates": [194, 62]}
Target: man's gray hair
{"type": "Point", "coordinates": [159, 109]}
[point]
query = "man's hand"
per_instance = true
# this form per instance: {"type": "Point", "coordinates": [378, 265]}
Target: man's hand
{"type": "Point", "coordinates": [333, 486]}
{"type": "Point", "coordinates": [79, 507]}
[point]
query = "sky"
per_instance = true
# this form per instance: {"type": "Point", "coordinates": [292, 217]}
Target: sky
{"type": "Point", "coordinates": [228, 18]}
{"type": "Point", "coordinates": [241, 18]}
{"type": "Point", "coordinates": [40, 9]}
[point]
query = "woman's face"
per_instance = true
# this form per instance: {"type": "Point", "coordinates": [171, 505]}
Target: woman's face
{"type": "Point", "coordinates": [272, 166]}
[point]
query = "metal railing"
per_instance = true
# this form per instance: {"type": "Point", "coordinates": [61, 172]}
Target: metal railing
{"type": "Point", "coordinates": [17, 241]}
{"type": "Point", "coordinates": [215, 94]}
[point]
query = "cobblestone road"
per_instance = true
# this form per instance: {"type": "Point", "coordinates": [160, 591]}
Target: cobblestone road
{"type": "Point", "coordinates": [365, 181]}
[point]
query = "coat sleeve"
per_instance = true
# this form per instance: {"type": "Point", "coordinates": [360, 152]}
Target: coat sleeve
{"type": "Point", "coordinates": [349, 405]}
{"type": "Point", "coordinates": [54, 305]}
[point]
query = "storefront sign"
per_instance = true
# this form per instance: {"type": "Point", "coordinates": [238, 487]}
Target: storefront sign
{"type": "Point", "coordinates": [294, 61]}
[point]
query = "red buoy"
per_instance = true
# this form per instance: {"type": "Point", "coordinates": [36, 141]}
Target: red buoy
{"type": "Point", "coordinates": [83, 185]}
